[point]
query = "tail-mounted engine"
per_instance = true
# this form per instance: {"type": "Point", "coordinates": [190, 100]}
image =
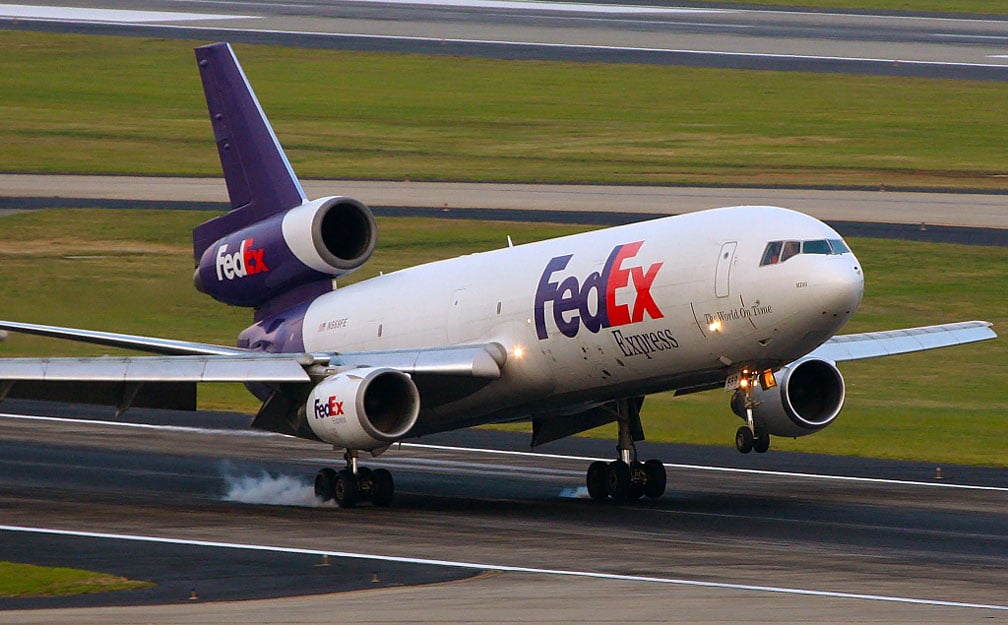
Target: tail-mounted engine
{"type": "Point", "coordinates": [318, 240]}
{"type": "Point", "coordinates": [363, 409]}
{"type": "Point", "coordinates": [808, 397]}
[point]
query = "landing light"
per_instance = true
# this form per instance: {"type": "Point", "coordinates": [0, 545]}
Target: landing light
{"type": "Point", "coordinates": [518, 352]}
{"type": "Point", "coordinates": [715, 326]}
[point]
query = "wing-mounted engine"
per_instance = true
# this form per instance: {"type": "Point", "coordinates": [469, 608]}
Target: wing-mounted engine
{"type": "Point", "coordinates": [808, 397]}
{"type": "Point", "coordinates": [363, 409]}
{"type": "Point", "coordinates": [318, 240]}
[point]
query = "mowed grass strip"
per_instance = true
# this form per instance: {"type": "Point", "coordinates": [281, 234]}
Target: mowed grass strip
{"type": "Point", "coordinates": [87, 104]}
{"type": "Point", "coordinates": [28, 580]}
{"type": "Point", "coordinates": [130, 271]}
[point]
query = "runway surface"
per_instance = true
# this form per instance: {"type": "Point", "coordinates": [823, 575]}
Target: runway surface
{"type": "Point", "coordinates": [749, 542]}
{"type": "Point", "coordinates": [970, 218]}
{"type": "Point", "coordinates": [652, 32]}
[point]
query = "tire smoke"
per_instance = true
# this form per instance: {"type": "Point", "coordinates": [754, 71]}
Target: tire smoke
{"type": "Point", "coordinates": [581, 492]}
{"type": "Point", "coordinates": [265, 488]}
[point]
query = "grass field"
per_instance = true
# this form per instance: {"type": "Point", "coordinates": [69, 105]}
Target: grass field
{"type": "Point", "coordinates": [26, 580]}
{"type": "Point", "coordinates": [130, 271]}
{"type": "Point", "coordinates": [87, 104]}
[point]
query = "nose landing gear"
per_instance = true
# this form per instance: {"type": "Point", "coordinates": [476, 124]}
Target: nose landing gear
{"type": "Point", "coordinates": [752, 435]}
{"type": "Point", "coordinates": [627, 478]}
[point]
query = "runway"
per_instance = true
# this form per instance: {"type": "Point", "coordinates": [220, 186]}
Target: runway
{"type": "Point", "coordinates": [924, 45]}
{"type": "Point", "coordinates": [761, 537]}
{"type": "Point", "coordinates": [968, 218]}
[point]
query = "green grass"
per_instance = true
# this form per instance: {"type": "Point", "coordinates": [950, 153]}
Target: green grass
{"type": "Point", "coordinates": [87, 104]}
{"type": "Point", "coordinates": [944, 407]}
{"type": "Point", "coordinates": [27, 580]}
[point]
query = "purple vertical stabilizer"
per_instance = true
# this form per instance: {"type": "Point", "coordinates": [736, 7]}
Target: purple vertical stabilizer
{"type": "Point", "coordinates": [260, 180]}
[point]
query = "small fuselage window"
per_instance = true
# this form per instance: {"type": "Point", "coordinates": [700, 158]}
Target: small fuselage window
{"type": "Point", "coordinates": [780, 251]}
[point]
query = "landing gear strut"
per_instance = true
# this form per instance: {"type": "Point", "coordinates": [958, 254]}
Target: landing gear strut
{"type": "Point", "coordinates": [354, 484]}
{"type": "Point", "coordinates": [626, 478]}
{"type": "Point", "coordinates": [751, 436]}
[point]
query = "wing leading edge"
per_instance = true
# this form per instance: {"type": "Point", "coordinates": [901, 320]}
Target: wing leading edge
{"type": "Point", "coordinates": [147, 344]}
{"type": "Point", "coordinates": [877, 344]}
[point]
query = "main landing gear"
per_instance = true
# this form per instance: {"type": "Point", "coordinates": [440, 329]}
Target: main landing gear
{"type": "Point", "coordinates": [752, 435]}
{"type": "Point", "coordinates": [354, 484]}
{"type": "Point", "coordinates": [626, 478]}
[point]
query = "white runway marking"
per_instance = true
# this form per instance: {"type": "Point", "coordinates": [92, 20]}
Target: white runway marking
{"type": "Point", "coordinates": [532, 455]}
{"type": "Point", "coordinates": [601, 48]}
{"type": "Point", "coordinates": [513, 569]}
{"type": "Point", "coordinates": [698, 467]}
{"type": "Point", "coordinates": [140, 426]}
{"type": "Point", "coordinates": [533, 5]}
{"type": "Point", "coordinates": [532, 44]}
{"type": "Point", "coordinates": [115, 16]}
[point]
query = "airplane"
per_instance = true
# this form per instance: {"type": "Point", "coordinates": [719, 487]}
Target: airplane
{"type": "Point", "coordinates": [568, 333]}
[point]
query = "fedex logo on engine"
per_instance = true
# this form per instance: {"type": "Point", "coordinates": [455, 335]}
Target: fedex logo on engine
{"type": "Point", "coordinates": [328, 408]}
{"type": "Point", "coordinates": [245, 261]}
{"type": "Point", "coordinates": [597, 302]}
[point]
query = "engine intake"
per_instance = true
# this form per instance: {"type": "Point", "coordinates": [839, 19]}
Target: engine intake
{"type": "Point", "coordinates": [318, 240]}
{"type": "Point", "coordinates": [808, 397]}
{"type": "Point", "coordinates": [363, 409]}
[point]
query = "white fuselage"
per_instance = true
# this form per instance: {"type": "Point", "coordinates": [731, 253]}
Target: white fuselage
{"type": "Point", "coordinates": [673, 303]}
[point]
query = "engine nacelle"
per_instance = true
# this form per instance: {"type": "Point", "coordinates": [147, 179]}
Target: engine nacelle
{"type": "Point", "coordinates": [363, 409]}
{"type": "Point", "coordinates": [808, 397]}
{"type": "Point", "coordinates": [318, 240]}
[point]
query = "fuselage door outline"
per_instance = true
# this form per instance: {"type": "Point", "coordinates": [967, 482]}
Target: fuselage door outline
{"type": "Point", "coordinates": [722, 276]}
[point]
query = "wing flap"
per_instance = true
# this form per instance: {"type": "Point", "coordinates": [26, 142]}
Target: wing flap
{"type": "Point", "coordinates": [889, 343]}
{"type": "Point", "coordinates": [165, 395]}
{"type": "Point", "coordinates": [472, 361]}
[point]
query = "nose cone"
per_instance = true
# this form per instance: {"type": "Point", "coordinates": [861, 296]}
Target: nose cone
{"type": "Point", "coordinates": [839, 287]}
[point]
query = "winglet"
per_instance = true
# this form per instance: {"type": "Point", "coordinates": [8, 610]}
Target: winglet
{"type": "Point", "coordinates": [260, 179]}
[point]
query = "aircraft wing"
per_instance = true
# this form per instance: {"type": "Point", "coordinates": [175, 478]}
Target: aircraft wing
{"type": "Point", "coordinates": [144, 381]}
{"type": "Point", "coordinates": [125, 341]}
{"type": "Point", "coordinates": [876, 344]}
{"type": "Point", "coordinates": [247, 367]}
{"type": "Point", "coordinates": [169, 380]}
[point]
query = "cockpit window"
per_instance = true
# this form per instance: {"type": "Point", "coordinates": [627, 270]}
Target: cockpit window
{"type": "Point", "coordinates": [772, 253]}
{"type": "Point", "coordinates": [791, 248]}
{"type": "Point", "coordinates": [816, 247]}
{"type": "Point", "coordinates": [839, 247]}
{"type": "Point", "coordinates": [780, 251]}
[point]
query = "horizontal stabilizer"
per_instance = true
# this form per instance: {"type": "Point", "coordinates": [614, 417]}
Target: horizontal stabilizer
{"type": "Point", "coordinates": [890, 343]}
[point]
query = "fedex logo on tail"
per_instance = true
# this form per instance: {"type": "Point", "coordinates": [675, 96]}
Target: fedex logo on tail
{"type": "Point", "coordinates": [245, 261]}
{"type": "Point", "coordinates": [598, 301]}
